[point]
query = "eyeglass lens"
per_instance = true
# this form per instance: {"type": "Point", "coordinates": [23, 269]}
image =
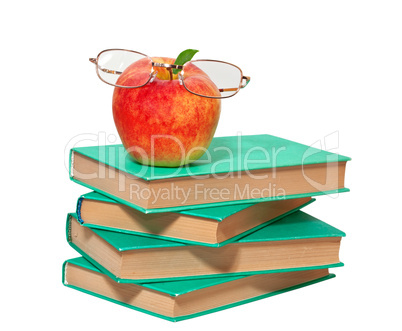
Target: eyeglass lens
{"type": "Point", "coordinates": [112, 63]}
{"type": "Point", "coordinates": [212, 78]}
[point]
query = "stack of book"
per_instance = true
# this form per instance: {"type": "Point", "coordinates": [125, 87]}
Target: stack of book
{"type": "Point", "coordinates": [225, 230]}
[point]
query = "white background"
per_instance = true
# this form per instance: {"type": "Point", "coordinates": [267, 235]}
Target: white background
{"type": "Point", "coordinates": [318, 69]}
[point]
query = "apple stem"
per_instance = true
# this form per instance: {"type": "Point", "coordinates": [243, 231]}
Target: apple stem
{"type": "Point", "coordinates": [170, 73]}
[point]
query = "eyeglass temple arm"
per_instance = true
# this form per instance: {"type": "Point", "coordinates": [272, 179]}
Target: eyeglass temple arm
{"type": "Point", "coordinates": [93, 60]}
{"type": "Point", "coordinates": [235, 88]}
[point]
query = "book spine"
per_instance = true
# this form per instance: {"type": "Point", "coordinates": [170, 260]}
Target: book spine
{"type": "Point", "coordinates": [79, 205]}
{"type": "Point", "coordinates": [68, 228]}
{"type": "Point", "coordinates": [71, 163]}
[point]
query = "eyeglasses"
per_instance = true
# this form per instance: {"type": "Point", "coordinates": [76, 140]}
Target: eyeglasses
{"type": "Point", "coordinates": [205, 78]}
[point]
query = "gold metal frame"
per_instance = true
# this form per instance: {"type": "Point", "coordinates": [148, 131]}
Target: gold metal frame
{"type": "Point", "coordinates": [242, 84]}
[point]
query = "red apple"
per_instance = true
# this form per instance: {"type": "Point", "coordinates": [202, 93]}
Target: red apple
{"type": "Point", "coordinates": [161, 123]}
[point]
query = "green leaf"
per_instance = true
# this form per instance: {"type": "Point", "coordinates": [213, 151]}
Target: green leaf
{"type": "Point", "coordinates": [184, 57]}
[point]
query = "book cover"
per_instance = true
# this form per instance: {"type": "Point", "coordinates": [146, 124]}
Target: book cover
{"type": "Point", "coordinates": [235, 169]}
{"type": "Point", "coordinates": [180, 300]}
{"type": "Point", "coordinates": [296, 242]}
{"type": "Point", "coordinates": [211, 226]}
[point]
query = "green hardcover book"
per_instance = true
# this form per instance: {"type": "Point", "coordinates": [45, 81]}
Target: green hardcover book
{"type": "Point", "coordinates": [238, 169]}
{"type": "Point", "coordinates": [212, 226]}
{"type": "Point", "coordinates": [295, 242]}
{"type": "Point", "coordinates": [180, 300]}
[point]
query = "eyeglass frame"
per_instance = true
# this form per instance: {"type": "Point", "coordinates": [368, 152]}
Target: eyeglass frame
{"type": "Point", "coordinates": [167, 66]}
